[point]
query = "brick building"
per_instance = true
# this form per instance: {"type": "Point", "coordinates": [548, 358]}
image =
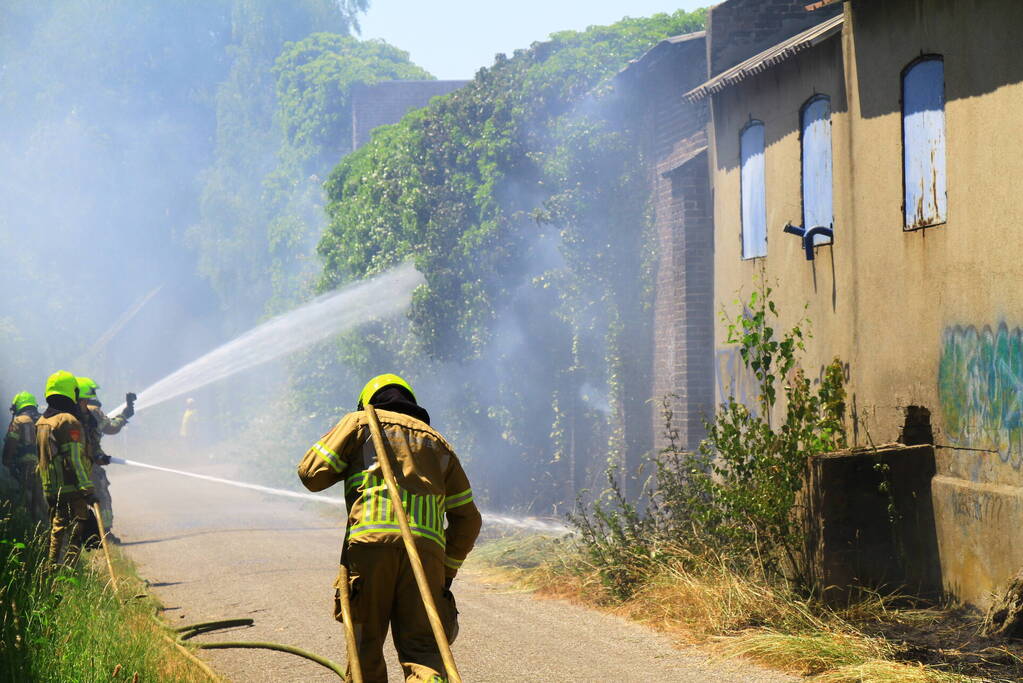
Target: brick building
{"type": "Point", "coordinates": [675, 143]}
{"type": "Point", "coordinates": [384, 103]}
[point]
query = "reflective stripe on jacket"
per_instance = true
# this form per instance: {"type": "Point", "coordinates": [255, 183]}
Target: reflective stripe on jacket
{"type": "Point", "coordinates": [63, 465]}
{"type": "Point", "coordinates": [432, 483]}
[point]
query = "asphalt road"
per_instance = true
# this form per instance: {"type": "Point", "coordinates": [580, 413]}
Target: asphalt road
{"type": "Point", "coordinates": [215, 552]}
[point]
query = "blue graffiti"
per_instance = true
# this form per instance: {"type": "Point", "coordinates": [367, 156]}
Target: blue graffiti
{"type": "Point", "coordinates": [980, 386]}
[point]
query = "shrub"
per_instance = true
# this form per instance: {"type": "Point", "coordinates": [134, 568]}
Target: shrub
{"type": "Point", "coordinates": [738, 494]}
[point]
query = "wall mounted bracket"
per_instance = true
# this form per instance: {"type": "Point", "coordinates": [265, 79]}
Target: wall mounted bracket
{"type": "Point", "coordinates": [807, 236]}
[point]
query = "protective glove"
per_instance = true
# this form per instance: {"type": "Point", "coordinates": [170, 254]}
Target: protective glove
{"type": "Point", "coordinates": [90, 497]}
{"type": "Point", "coordinates": [129, 411]}
{"type": "Point", "coordinates": [102, 459]}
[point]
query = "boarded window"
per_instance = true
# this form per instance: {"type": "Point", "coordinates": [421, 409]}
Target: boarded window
{"type": "Point", "coordinates": [754, 206]}
{"type": "Point", "coordinates": [818, 209]}
{"type": "Point", "coordinates": [923, 140]}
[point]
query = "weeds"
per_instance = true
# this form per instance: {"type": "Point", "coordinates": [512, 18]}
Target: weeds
{"type": "Point", "coordinates": [69, 625]}
{"type": "Point", "coordinates": [703, 599]}
{"type": "Point", "coordinates": [737, 495]}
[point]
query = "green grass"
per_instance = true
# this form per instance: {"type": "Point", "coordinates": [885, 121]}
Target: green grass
{"type": "Point", "coordinates": [69, 625]}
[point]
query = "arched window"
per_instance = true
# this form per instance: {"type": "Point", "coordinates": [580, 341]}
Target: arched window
{"type": "Point", "coordinates": [923, 143]}
{"type": "Point", "coordinates": [818, 209]}
{"type": "Point", "coordinates": [754, 203]}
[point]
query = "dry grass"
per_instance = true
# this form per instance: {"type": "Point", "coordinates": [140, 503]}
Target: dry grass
{"type": "Point", "coordinates": [699, 600]}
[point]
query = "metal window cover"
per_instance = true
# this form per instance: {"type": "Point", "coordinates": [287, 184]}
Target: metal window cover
{"type": "Point", "coordinates": [768, 58]}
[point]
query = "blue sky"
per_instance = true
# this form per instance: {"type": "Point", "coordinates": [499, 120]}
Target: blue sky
{"type": "Point", "coordinates": [454, 38]}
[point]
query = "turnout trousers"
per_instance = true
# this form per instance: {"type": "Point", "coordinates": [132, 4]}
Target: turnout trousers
{"type": "Point", "coordinates": [384, 593]}
{"type": "Point", "coordinates": [27, 474]}
{"type": "Point", "coordinates": [69, 520]}
{"type": "Point", "coordinates": [102, 486]}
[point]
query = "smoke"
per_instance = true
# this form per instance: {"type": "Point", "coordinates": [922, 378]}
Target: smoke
{"type": "Point", "coordinates": [379, 297]}
{"type": "Point", "coordinates": [546, 526]}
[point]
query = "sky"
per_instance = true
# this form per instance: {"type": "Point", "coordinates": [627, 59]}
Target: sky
{"type": "Point", "coordinates": [452, 39]}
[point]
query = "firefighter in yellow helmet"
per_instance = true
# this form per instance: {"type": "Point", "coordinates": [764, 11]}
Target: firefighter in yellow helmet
{"type": "Point", "coordinates": [64, 467]}
{"type": "Point", "coordinates": [96, 425]}
{"type": "Point", "coordinates": [20, 454]}
{"type": "Point", "coordinates": [434, 487]}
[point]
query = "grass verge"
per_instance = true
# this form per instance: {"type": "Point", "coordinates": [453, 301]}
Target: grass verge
{"type": "Point", "coordinates": [69, 625]}
{"type": "Point", "coordinates": [699, 600]}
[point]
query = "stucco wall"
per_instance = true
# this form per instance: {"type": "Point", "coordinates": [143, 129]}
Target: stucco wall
{"type": "Point", "coordinates": [931, 317]}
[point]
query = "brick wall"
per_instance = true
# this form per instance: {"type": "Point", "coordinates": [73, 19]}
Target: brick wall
{"type": "Point", "coordinates": [384, 103]}
{"type": "Point", "coordinates": [675, 144]}
{"type": "Point", "coordinates": [693, 311]}
{"type": "Point", "coordinates": [739, 29]}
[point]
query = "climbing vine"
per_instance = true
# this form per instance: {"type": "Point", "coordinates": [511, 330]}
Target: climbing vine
{"type": "Point", "coordinates": [522, 199]}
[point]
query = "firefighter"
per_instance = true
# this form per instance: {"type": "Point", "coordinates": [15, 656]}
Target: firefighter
{"type": "Point", "coordinates": [20, 454]}
{"type": "Point", "coordinates": [64, 467]}
{"type": "Point", "coordinates": [96, 425]}
{"type": "Point", "coordinates": [381, 582]}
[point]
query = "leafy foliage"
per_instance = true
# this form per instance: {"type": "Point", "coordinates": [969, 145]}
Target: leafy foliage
{"type": "Point", "coordinates": [315, 78]}
{"type": "Point", "coordinates": [136, 137]}
{"type": "Point", "coordinates": [521, 199]}
{"type": "Point", "coordinates": [230, 236]}
{"type": "Point", "coordinates": [737, 497]}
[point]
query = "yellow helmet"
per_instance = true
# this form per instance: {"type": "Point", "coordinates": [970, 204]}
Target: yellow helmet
{"type": "Point", "coordinates": [62, 383]}
{"type": "Point", "coordinates": [21, 400]}
{"type": "Point", "coordinates": [87, 388]}
{"type": "Point", "coordinates": [378, 383]}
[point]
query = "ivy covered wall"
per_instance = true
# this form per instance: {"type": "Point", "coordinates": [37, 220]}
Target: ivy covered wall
{"type": "Point", "coordinates": [524, 200]}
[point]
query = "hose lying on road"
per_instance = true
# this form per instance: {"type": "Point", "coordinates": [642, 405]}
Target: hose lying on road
{"type": "Point", "coordinates": [192, 630]}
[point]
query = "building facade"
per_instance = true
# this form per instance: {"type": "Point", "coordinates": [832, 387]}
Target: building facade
{"type": "Point", "coordinates": [893, 127]}
{"type": "Point", "coordinates": [674, 142]}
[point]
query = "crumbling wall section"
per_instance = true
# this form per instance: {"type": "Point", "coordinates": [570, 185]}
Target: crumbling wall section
{"type": "Point", "coordinates": [384, 103]}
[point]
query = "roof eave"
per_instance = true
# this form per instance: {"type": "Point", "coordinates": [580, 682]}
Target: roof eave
{"type": "Point", "coordinates": [773, 55]}
{"type": "Point", "coordinates": [647, 58]}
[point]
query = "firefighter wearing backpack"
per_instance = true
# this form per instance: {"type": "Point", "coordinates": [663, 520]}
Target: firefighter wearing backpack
{"type": "Point", "coordinates": [434, 488]}
{"type": "Point", "coordinates": [20, 456]}
{"type": "Point", "coordinates": [64, 467]}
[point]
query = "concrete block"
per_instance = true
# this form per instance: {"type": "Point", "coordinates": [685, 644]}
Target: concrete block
{"type": "Point", "coordinates": [978, 537]}
{"type": "Point", "coordinates": [870, 522]}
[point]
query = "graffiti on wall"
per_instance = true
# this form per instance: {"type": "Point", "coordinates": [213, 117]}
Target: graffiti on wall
{"type": "Point", "coordinates": [733, 379]}
{"type": "Point", "coordinates": [980, 386]}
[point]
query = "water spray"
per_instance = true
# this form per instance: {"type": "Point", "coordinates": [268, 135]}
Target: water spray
{"type": "Point", "coordinates": [527, 523]}
{"type": "Point", "coordinates": [381, 296]}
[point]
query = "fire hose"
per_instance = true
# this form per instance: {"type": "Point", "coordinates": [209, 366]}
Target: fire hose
{"type": "Point", "coordinates": [184, 633]}
{"type": "Point", "coordinates": [430, 606]}
{"type": "Point", "coordinates": [410, 546]}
